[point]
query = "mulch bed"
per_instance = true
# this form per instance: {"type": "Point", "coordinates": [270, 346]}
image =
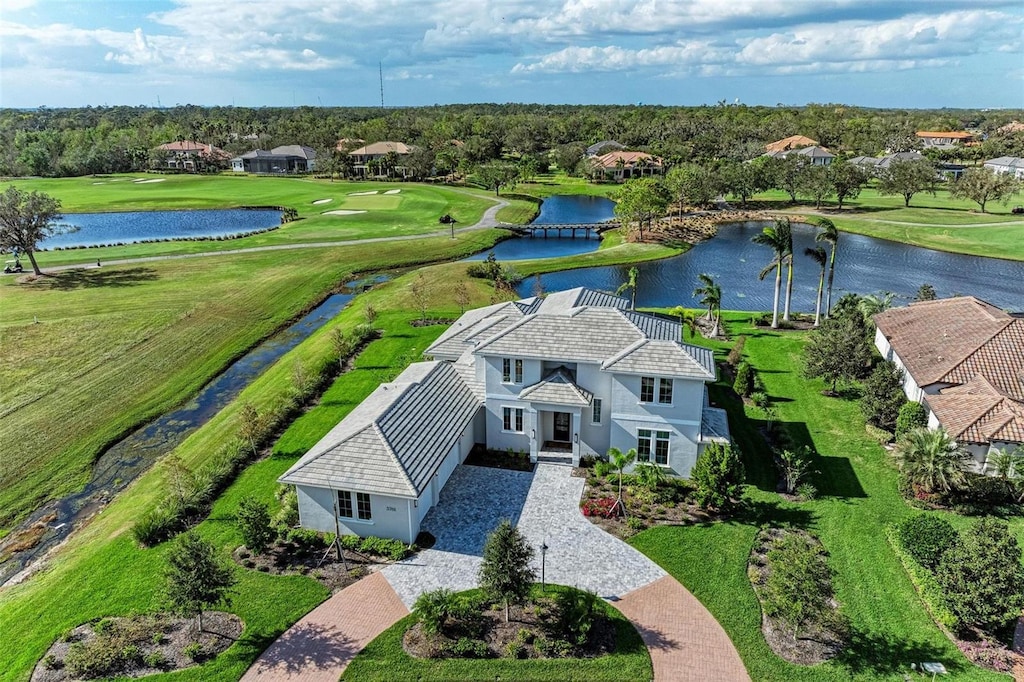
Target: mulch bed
{"type": "Point", "coordinates": [430, 322]}
{"type": "Point", "coordinates": [160, 638]}
{"type": "Point", "coordinates": [528, 634]}
{"type": "Point", "coordinates": [812, 647]}
{"type": "Point", "coordinates": [284, 558]}
{"type": "Point", "coordinates": [499, 459]}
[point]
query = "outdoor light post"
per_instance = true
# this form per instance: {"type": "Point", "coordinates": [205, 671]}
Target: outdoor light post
{"type": "Point", "coordinates": [543, 554]}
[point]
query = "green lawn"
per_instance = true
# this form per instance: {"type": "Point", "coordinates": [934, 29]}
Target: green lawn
{"type": "Point", "coordinates": [384, 659]}
{"type": "Point", "coordinates": [858, 498]}
{"type": "Point", "coordinates": [101, 351]}
{"type": "Point", "coordinates": [413, 211]}
{"type": "Point", "coordinates": [935, 222]}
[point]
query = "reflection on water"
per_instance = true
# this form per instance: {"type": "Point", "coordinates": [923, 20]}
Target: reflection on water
{"type": "Point", "coordinates": [94, 229]}
{"type": "Point", "coordinates": [864, 265]}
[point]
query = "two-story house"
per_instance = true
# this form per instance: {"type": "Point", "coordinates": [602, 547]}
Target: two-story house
{"type": "Point", "coordinates": [561, 377]}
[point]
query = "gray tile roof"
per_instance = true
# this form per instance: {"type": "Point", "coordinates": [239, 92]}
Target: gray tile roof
{"type": "Point", "coordinates": [564, 301]}
{"type": "Point", "coordinates": [1006, 162]}
{"type": "Point", "coordinates": [557, 388]}
{"type": "Point", "coordinates": [488, 321]}
{"type": "Point", "coordinates": [665, 358]}
{"type": "Point", "coordinates": [394, 441]}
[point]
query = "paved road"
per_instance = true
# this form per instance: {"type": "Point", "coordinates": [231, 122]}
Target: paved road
{"type": "Point", "coordinates": [487, 220]}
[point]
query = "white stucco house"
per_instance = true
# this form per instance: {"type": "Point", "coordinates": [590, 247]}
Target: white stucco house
{"type": "Point", "coordinates": [963, 359]}
{"type": "Point", "coordinates": [561, 377]}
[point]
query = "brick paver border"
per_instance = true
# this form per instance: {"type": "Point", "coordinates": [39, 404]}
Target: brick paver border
{"type": "Point", "coordinates": [320, 646]}
{"type": "Point", "coordinates": [685, 641]}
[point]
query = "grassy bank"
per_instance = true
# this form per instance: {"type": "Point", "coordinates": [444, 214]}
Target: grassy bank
{"type": "Point", "coordinates": [101, 351]}
{"type": "Point", "coordinates": [891, 627]}
{"type": "Point", "coordinates": [413, 211]}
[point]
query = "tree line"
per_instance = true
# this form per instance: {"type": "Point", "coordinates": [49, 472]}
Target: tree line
{"type": "Point", "coordinates": [92, 140]}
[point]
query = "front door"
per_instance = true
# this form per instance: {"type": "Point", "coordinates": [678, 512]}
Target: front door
{"type": "Point", "coordinates": [561, 430]}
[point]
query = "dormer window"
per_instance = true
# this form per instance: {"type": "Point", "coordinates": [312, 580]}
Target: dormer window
{"type": "Point", "coordinates": [511, 371]}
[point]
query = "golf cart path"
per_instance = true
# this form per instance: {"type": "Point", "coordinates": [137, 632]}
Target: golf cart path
{"type": "Point", "coordinates": [487, 220]}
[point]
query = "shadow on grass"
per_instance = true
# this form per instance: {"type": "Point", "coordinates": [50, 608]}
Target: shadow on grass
{"type": "Point", "coordinates": [762, 512]}
{"type": "Point", "coordinates": [68, 280]}
{"type": "Point", "coordinates": [869, 653]}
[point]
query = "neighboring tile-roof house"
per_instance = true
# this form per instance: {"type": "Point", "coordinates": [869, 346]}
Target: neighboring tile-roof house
{"type": "Point", "coordinates": [603, 147]}
{"type": "Point", "coordinates": [393, 442]}
{"type": "Point", "coordinates": [819, 156]}
{"type": "Point", "coordinates": [1014, 165]}
{"type": "Point", "coordinates": [192, 147]}
{"type": "Point", "coordinates": [944, 139]}
{"type": "Point", "coordinates": [791, 142]}
{"type": "Point", "coordinates": [620, 159]}
{"type": "Point", "coordinates": [933, 338]}
{"type": "Point", "coordinates": [967, 357]}
{"type": "Point", "coordinates": [382, 148]}
{"type": "Point", "coordinates": [1010, 128]}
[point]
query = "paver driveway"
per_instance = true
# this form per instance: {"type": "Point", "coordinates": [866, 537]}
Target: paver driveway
{"type": "Point", "coordinates": [545, 506]}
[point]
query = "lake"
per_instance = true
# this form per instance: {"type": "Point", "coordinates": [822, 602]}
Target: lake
{"type": "Point", "coordinates": [557, 210]}
{"type": "Point", "coordinates": [96, 229]}
{"type": "Point", "coordinates": [864, 265]}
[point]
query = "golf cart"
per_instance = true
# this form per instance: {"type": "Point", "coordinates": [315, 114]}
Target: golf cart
{"type": "Point", "coordinates": [13, 266]}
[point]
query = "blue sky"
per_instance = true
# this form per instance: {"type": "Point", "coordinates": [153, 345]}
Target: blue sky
{"type": "Point", "coordinates": [899, 53]}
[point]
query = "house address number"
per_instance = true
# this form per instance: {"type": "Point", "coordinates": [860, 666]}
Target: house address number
{"type": "Point", "coordinates": [390, 508]}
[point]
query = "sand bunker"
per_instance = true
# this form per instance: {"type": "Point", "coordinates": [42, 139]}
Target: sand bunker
{"type": "Point", "coordinates": [146, 182]}
{"type": "Point", "coordinates": [342, 212]}
{"type": "Point", "coordinates": [362, 194]}
{"type": "Point", "coordinates": [322, 201]}
{"type": "Point", "coordinates": [393, 191]}
{"type": "Point", "coordinates": [99, 183]}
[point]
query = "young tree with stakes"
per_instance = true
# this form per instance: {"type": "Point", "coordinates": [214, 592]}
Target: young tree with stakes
{"type": "Point", "coordinates": [505, 573]}
{"type": "Point", "coordinates": [196, 577]}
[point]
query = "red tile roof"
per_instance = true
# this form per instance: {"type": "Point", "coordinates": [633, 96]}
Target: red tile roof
{"type": "Point", "coordinates": [959, 134]}
{"type": "Point", "coordinates": [978, 413]}
{"type": "Point", "coordinates": [191, 146]}
{"type": "Point", "coordinates": [791, 142]}
{"type": "Point", "coordinates": [629, 160]}
{"type": "Point", "coordinates": [933, 338]}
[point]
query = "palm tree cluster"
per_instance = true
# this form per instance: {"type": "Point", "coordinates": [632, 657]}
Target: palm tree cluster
{"type": "Point", "coordinates": [711, 296]}
{"type": "Point", "coordinates": [779, 238]}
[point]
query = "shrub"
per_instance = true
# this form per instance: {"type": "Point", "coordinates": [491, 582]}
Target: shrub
{"type": "Point", "coordinates": [156, 659]}
{"type": "Point", "coordinates": [744, 383]}
{"type": "Point", "coordinates": [760, 399]}
{"type": "Point", "coordinates": [883, 398]}
{"type": "Point", "coordinates": [982, 575]}
{"type": "Point", "coordinates": [718, 475]}
{"type": "Point", "coordinates": [635, 523]}
{"type": "Point", "coordinates": [100, 657]}
{"type": "Point", "coordinates": [806, 491]}
{"type": "Point", "coordinates": [51, 662]}
{"type": "Point", "coordinates": [912, 415]}
{"type": "Point", "coordinates": [253, 519]}
{"type": "Point", "coordinates": [798, 588]}
{"type": "Point", "coordinates": [602, 468]}
{"type": "Point", "coordinates": [103, 626]}
{"type": "Point", "coordinates": [288, 515]}
{"type": "Point", "coordinates": [795, 465]}
{"type": "Point", "coordinates": [434, 608]}
{"type": "Point", "coordinates": [465, 647]}
{"type": "Point", "coordinates": [736, 352]}
{"type": "Point", "coordinates": [193, 651]}
{"type": "Point", "coordinates": [576, 613]}
{"type": "Point", "coordinates": [926, 538]}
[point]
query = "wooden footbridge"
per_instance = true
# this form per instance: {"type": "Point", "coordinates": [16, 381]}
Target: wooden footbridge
{"type": "Point", "coordinates": [583, 229]}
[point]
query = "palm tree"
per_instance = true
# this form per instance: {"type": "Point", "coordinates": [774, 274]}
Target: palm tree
{"type": "Point", "coordinates": [819, 256]}
{"type": "Point", "coordinates": [687, 321]}
{"type": "Point", "coordinates": [931, 460]}
{"type": "Point", "coordinates": [620, 460]}
{"type": "Point", "coordinates": [711, 296]}
{"type": "Point", "coordinates": [630, 284]}
{"type": "Point", "coordinates": [784, 228]}
{"type": "Point", "coordinates": [829, 233]}
{"type": "Point", "coordinates": [872, 304]}
{"type": "Point", "coordinates": [777, 242]}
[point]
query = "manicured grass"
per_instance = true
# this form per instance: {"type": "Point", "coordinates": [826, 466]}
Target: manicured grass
{"type": "Point", "coordinates": [103, 572]}
{"type": "Point", "coordinates": [413, 211]}
{"type": "Point", "coordinates": [547, 184]}
{"type": "Point", "coordinates": [935, 222]}
{"type": "Point", "coordinates": [101, 351]}
{"type": "Point", "coordinates": [858, 498]}
{"type": "Point", "coordinates": [384, 659]}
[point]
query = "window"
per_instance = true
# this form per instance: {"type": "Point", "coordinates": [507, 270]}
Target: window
{"type": "Point", "coordinates": [596, 419]}
{"type": "Point", "coordinates": [647, 390]}
{"type": "Point", "coordinates": [345, 504]}
{"type": "Point", "coordinates": [652, 443]}
{"type": "Point", "coordinates": [512, 419]}
{"type": "Point", "coordinates": [665, 391]}
{"type": "Point", "coordinates": [511, 371]}
{"type": "Point", "coordinates": [363, 506]}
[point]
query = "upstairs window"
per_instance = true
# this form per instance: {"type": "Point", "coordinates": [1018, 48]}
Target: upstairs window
{"type": "Point", "coordinates": [665, 391]}
{"type": "Point", "coordinates": [647, 389]}
{"type": "Point", "coordinates": [596, 417]}
{"type": "Point", "coordinates": [511, 371]}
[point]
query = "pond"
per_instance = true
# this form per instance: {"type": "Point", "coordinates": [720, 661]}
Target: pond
{"type": "Point", "coordinates": [864, 265]}
{"type": "Point", "coordinates": [558, 210]}
{"type": "Point", "coordinates": [96, 229]}
{"type": "Point", "coordinates": [124, 461]}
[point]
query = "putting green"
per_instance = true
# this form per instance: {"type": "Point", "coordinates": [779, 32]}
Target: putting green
{"type": "Point", "coordinates": [373, 202]}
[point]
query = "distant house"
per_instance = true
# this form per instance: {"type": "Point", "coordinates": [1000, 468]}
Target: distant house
{"type": "Point", "coordinates": [603, 147]}
{"type": "Point", "coordinates": [875, 166]}
{"type": "Point", "coordinates": [1010, 128]}
{"type": "Point", "coordinates": [622, 165]}
{"type": "Point", "coordinates": [561, 377]}
{"type": "Point", "coordinates": [964, 360]}
{"type": "Point", "coordinates": [1014, 165]}
{"type": "Point", "coordinates": [191, 156]}
{"type": "Point", "coordinates": [289, 158]}
{"type": "Point", "coordinates": [365, 157]}
{"type": "Point", "coordinates": [814, 155]}
{"type": "Point", "coordinates": [347, 144]}
{"type": "Point", "coordinates": [791, 142]}
{"type": "Point", "coordinates": [943, 139]}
